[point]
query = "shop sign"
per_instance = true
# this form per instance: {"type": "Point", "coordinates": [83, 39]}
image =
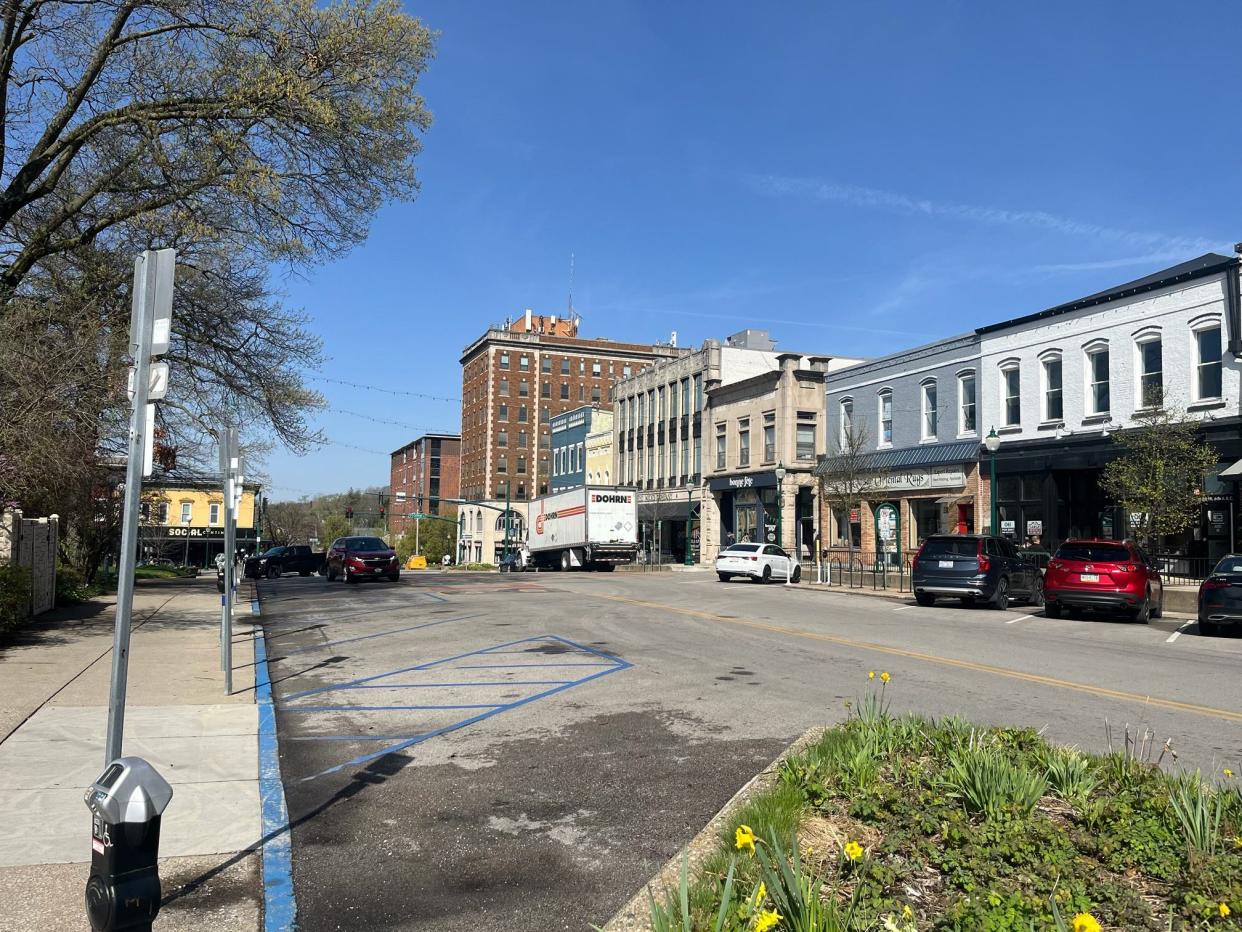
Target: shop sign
{"type": "Point", "coordinates": [754, 480]}
{"type": "Point", "coordinates": [196, 532]}
{"type": "Point", "coordinates": [1034, 528]}
{"type": "Point", "coordinates": [1008, 527]}
{"type": "Point", "coordinates": [886, 525]}
{"type": "Point", "coordinates": [921, 477]}
{"type": "Point", "coordinates": [666, 495]}
{"type": "Point", "coordinates": [1217, 522]}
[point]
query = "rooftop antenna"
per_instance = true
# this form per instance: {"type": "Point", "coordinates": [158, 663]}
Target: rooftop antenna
{"type": "Point", "coordinates": [573, 316]}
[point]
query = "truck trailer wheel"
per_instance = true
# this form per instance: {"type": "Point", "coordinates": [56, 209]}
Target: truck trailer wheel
{"type": "Point", "coordinates": [565, 564]}
{"type": "Point", "coordinates": [606, 567]}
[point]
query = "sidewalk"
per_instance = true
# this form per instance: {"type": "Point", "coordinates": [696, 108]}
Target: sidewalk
{"type": "Point", "coordinates": [53, 713]}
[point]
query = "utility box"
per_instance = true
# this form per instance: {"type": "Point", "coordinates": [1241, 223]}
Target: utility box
{"type": "Point", "coordinates": [127, 803]}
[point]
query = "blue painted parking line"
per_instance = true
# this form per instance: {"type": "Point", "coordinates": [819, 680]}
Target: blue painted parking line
{"type": "Point", "coordinates": [394, 744]}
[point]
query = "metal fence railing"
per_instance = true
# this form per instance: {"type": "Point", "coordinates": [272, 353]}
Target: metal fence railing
{"type": "Point", "coordinates": [1177, 569]}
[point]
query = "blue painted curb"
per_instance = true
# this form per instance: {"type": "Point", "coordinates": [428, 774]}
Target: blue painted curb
{"type": "Point", "coordinates": [279, 905]}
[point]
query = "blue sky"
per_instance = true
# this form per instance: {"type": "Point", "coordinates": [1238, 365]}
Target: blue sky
{"type": "Point", "coordinates": [857, 178]}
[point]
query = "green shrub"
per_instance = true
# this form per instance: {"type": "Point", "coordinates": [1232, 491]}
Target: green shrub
{"type": "Point", "coordinates": [14, 596]}
{"type": "Point", "coordinates": [989, 784]}
{"type": "Point", "coordinates": [71, 588]}
{"type": "Point", "coordinates": [1197, 810]}
{"type": "Point", "coordinates": [1070, 775]}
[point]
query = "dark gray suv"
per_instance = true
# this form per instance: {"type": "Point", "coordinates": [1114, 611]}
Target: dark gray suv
{"type": "Point", "coordinates": [974, 568]}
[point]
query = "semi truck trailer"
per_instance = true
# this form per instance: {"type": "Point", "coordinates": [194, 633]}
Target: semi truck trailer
{"type": "Point", "coordinates": [594, 527]}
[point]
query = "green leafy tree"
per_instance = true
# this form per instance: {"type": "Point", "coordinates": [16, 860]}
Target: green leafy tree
{"type": "Point", "coordinates": [1158, 479]}
{"type": "Point", "coordinates": [332, 527]}
{"type": "Point", "coordinates": [846, 482]}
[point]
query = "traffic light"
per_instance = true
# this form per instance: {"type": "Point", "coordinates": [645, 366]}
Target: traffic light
{"type": "Point", "coordinates": [383, 511]}
{"type": "Point", "coordinates": [349, 513]}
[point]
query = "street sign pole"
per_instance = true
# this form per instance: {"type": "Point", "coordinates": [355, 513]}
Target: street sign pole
{"type": "Point", "coordinates": [149, 326]}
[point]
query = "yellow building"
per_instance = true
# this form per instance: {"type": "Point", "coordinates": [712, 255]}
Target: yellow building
{"type": "Point", "coordinates": [599, 450]}
{"type": "Point", "coordinates": [183, 520]}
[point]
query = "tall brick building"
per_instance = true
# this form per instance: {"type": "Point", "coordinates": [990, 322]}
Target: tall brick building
{"type": "Point", "coordinates": [514, 379]}
{"type": "Point", "coordinates": [421, 472]}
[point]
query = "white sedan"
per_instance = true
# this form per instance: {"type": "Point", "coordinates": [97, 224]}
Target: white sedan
{"type": "Point", "coordinates": [761, 562]}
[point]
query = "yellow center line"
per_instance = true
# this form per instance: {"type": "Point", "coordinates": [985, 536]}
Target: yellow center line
{"type": "Point", "coordinates": [1173, 704]}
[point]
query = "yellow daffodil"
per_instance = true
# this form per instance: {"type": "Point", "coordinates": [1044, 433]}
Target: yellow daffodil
{"type": "Point", "coordinates": [853, 850]}
{"type": "Point", "coordinates": [1085, 922]}
{"type": "Point", "coordinates": [884, 676]}
{"type": "Point", "coordinates": [761, 891]}
{"type": "Point", "coordinates": [744, 839]}
{"type": "Point", "coordinates": [907, 912]}
{"type": "Point", "coordinates": [766, 919]}
{"type": "Point", "coordinates": [870, 674]}
{"type": "Point", "coordinates": [1237, 841]}
{"type": "Point", "coordinates": [1224, 910]}
{"type": "Point", "coordinates": [1228, 773]}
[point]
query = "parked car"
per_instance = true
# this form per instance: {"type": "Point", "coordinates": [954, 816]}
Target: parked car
{"type": "Point", "coordinates": [974, 568]}
{"type": "Point", "coordinates": [1113, 575]}
{"type": "Point", "coordinates": [761, 562]}
{"type": "Point", "coordinates": [272, 563]}
{"type": "Point", "coordinates": [1220, 596]}
{"type": "Point", "coordinates": [357, 558]}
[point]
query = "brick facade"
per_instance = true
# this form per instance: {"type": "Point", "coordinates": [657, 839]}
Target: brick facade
{"type": "Point", "coordinates": [514, 380]}
{"type": "Point", "coordinates": [421, 473]}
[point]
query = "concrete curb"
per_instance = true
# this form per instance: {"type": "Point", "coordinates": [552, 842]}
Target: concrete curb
{"type": "Point", "coordinates": [634, 916]}
{"type": "Point", "coordinates": [279, 903]}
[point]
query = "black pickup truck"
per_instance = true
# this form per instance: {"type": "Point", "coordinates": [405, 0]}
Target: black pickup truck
{"type": "Point", "coordinates": [295, 558]}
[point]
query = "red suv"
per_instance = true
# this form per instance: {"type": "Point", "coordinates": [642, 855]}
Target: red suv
{"type": "Point", "coordinates": [1105, 574]}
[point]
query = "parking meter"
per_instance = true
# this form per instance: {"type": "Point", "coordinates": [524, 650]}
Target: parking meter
{"type": "Point", "coordinates": [126, 803]}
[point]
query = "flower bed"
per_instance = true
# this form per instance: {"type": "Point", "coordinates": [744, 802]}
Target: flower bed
{"type": "Point", "coordinates": [905, 824]}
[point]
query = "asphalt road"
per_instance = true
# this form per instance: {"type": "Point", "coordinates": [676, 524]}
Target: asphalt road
{"type": "Point", "coordinates": [471, 751]}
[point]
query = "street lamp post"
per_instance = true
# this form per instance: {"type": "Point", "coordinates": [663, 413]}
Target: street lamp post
{"type": "Point", "coordinates": [780, 515]}
{"type": "Point", "coordinates": [992, 444]}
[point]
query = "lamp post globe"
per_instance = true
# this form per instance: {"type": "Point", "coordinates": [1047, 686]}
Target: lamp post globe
{"type": "Point", "coordinates": [992, 443]}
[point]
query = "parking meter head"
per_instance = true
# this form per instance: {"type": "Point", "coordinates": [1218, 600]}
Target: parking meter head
{"type": "Point", "coordinates": [126, 803]}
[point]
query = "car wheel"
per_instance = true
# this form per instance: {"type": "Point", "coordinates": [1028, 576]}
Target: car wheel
{"type": "Point", "coordinates": [350, 577]}
{"type": "Point", "coordinates": [1037, 594]}
{"type": "Point", "coordinates": [394, 577]}
{"type": "Point", "coordinates": [1208, 629]}
{"type": "Point", "coordinates": [273, 572]}
{"type": "Point", "coordinates": [1000, 600]}
{"type": "Point", "coordinates": [1052, 610]}
{"type": "Point", "coordinates": [767, 575]}
{"type": "Point", "coordinates": [797, 574]}
{"type": "Point", "coordinates": [1142, 613]}
{"type": "Point", "coordinates": [304, 572]}
{"type": "Point", "coordinates": [1157, 610]}
{"type": "Point", "coordinates": [724, 577]}
{"type": "Point", "coordinates": [925, 599]}
{"type": "Point", "coordinates": [331, 574]}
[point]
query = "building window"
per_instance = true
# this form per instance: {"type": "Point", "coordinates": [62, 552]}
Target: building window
{"type": "Point", "coordinates": [187, 512]}
{"type": "Point", "coordinates": [565, 366]}
{"type": "Point", "coordinates": [685, 458]}
{"type": "Point", "coordinates": [545, 364]}
{"type": "Point", "coordinates": [886, 418]}
{"type": "Point", "coordinates": [1054, 409]}
{"type": "Point", "coordinates": [967, 404]}
{"type": "Point", "coordinates": [805, 446]}
{"type": "Point", "coordinates": [1097, 376]}
{"type": "Point", "coordinates": [523, 364]}
{"type": "Point", "coordinates": [521, 465]}
{"type": "Point", "coordinates": [672, 401]}
{"type": "Point", "coordinates": [521, 440]}
{"type": "Point", "coordinates": [502, 438]}
{"type": "Point", "coordinates": [1151, 374]}
{"type": "Point", "coordinates": [929, 419]}
{"type": "Point", "coordinates": [213, 514]}
{"type": "Point", "coordinates": [595, 394]}
{"type": "Point", "coordinates": [769, 438]}
{"type": "Point", "coordinates": [743, 442]}
{"type": "Point", "coordinates": [685, 396]}
{"type": "Point", "coordinates": [521, 414]}
{"type": "Point", "coordinates": [698, 392]}
{"type": "Point", "coordinates": [660, 404]}
{"type": "Point", "coordinates": [638, 477]}
{"type": "Point", "coordinates": [698, 455]}
{"type": "Point", "coordinates": [1011, 395]}
{"type": "Point", "coordinates": [546, 390]}
{"type": "Point", "coordinates": [523, 390]}
{"type": "Point", "coordinates": [721, 446]}
{"type": "Point", "coordinates": [582, 393]}
{"type": "Point", "coordinates": [504, 387]}
{"type": "Point", "coordinates": [847, 421]}
{"type": "Point", "coordinates": [564, 391]}
{"type": "Point", "coordinates": [595, 369]}
{"type": "Point", "coordinates": [1207, 363]}
{"type": "Point", "coordinates": [504, 360]}
{"type": "Point", "coordinates": [502, 412]}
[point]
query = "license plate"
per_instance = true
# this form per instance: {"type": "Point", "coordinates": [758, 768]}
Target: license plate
{"type": "Point", "coordinates": [1089, 577]}
{"type": "Point", "coordinates": [946, 564]}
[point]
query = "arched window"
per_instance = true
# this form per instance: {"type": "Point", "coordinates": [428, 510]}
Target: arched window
{"type": "Point", "coordinates": [927, 403]}
{"type": "Point", "coordinates": [885, 403]}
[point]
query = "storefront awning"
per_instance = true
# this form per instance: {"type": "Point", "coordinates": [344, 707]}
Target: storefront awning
{"type": "Point", "coordinates": [932, 454]}
{"type": "Point", "coordinates": [1233, 472]}
{"type": "Point", "coordinates": [665, 511]}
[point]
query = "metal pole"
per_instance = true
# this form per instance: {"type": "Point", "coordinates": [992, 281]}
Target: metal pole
{"type": "Point", "coordinates": [689, 561]}
{"type": "Point", "coordinates": [417, 547]}
{"type": "Point", "coordinates": [232, 470]}
{"type": "Point", "coordinates": [140, 328]}
{"type": "Point", "coordinates": [992, 495]}
{"type": "Point", "coordinates": [506, 549]}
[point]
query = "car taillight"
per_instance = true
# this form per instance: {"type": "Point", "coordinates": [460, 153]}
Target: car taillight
{"type": "Point", "coordinates": [1054, 565]}
{"type": "Point", "coordinates": [753, 559]}
{"type": "Point", "coordinates": [914, 561]}
{"type": "Point", "coordinates": [1215, 584]}
{"type": "Point", "coordinates": [984, 563]}
{"type": "Point", "coordinates": [1128, 568]}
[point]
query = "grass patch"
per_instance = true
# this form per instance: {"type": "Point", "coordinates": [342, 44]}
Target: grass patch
{"type": "Point", "coordinates": [164, 572]}
{"type": "Point", "coordinates": [909, 824]}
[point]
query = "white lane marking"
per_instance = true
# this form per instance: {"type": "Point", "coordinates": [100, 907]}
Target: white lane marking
{"type": "Point", "coordinates": [1019, 618]}
{"type": "Point", "coordinates": [1176, 634]}
{"type": "Point", "coordinates": [903, 608]}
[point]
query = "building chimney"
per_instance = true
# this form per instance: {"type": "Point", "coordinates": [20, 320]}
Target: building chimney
{"type": "Point", "coordinates": [528, 320]}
